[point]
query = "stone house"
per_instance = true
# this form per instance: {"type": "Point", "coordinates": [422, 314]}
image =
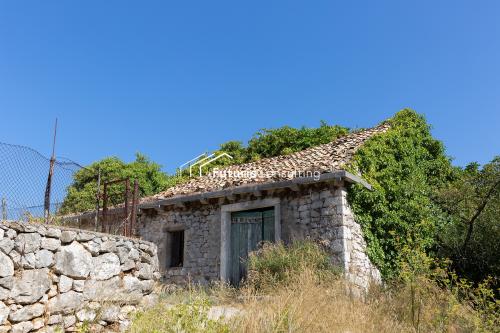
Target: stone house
{"type": "Point", "coordinates": [205, 228]}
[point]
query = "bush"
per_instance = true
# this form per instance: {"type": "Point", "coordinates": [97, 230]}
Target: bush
{"type": "Point", "coordinates": [276, 264]}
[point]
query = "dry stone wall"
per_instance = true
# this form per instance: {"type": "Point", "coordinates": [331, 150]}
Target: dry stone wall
{"type": "Point", "coordinates": [57, 279]}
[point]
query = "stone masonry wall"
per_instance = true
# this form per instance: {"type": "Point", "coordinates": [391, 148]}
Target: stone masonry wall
{"type": "Point", "coordinates": [201, 225]}
{"type": "Point", "coordinates": [57, 279]}
{"type": "Point", "coordinates": [323, 214]}
{"type": "Point", "coordinates": [319, 212]}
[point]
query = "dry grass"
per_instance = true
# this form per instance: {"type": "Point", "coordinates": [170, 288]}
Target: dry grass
{"type": "Point", "coordinates": [306, 296]}
{"type": "Point", "coordinates": [309, 305]}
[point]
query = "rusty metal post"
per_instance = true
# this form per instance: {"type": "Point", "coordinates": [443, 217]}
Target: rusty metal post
{"type": "Point", "coordinates": [135, 203]}
{"type": "Point", "coordinates": [126, 227]}
{"type": "Point", "coordinates": [48, 187]}
{"type": "Point", "coordinates": [104, 207]}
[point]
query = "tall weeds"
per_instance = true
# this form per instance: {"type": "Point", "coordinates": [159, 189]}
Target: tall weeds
{"type": "Point", "coordinates": [296, 289]}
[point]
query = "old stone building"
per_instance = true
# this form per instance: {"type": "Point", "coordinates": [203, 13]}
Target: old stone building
{"type": "Point", "coordinates": [205, 228]}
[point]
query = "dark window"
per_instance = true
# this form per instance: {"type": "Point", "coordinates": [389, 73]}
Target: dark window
{"type": "Point", "coordinates": [176, 248]}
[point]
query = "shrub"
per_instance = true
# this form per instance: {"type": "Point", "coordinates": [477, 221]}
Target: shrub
{"type": "Point", "coordinates": [275, 264]}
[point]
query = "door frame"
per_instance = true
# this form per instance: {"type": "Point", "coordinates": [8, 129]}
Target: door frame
{"type": "Point", "coordinates": [226, 210]}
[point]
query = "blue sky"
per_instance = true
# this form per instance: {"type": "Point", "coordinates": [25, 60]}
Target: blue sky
{"type": "Point", "coordinates": [174, 79]}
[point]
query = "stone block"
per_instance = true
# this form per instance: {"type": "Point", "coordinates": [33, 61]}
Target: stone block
{"type": "Point", "coordinates": [31, 286]}
{"type": "Point", "coordinates": [73, 260]}
{"type": "Point", "coordinates": [6, 265]}
{"type": "Point", "coordinates": [4, 313]}
{"type": "Point", "coordinates": [27, 243]}
{"type": "Point", "coordinates": [65, 283]}
{"type": "Point", "coordinates": [27, 313]}
{"type": "Point", "coordinates": [67, 236]}
{"type": "Point", "coordinates": [44, 258]}
{"type": "Point", "coordinates": [105, 266]}
{"type": "Point", "coordinates": [66, 303]}
{"type": "Point", "coordinates": [51, 244]}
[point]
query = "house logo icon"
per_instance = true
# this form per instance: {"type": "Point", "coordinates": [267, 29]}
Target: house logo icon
{"type": "Point", "coordinates": [200, 161]}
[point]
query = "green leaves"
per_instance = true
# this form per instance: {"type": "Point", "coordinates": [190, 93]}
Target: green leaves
{"type": "Point", "coordinates": [82, 193]}
{"type": "Point", "coordinates": [405, 166]}
{"type": "Point", "coordinates": [281, 141]}
{"type": "Point", "coordinates": [470, 236]}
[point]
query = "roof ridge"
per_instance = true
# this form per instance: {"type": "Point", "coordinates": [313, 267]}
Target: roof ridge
{"type": "Point", "coordinates": [340, 138]}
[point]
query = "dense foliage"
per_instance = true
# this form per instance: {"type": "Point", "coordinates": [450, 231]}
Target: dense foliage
{"type": "Point", "coordinates": [281, 141]}
{"type": "Point", "coordinates": [82, 192]}
{"type": "Point", "coordinates": [471, 238]}
{"type": "Point", "coordinates": [405, 166]}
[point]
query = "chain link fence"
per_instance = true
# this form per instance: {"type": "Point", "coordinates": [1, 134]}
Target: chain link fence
{"type": "Point", "coordinates": [23, 181]}
{"type": "Point", "coordinates": [24, 176]}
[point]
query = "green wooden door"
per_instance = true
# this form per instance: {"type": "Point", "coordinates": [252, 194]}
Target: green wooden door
{"type": "Point", "coordinates": [248, 230]}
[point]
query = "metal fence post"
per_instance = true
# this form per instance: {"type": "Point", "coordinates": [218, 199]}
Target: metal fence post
{"type": "Point", "coordinates": [104, 207]}
{"type": "Point", "coordinates": [126, 227]}
{"type": "Point", "coordinates": [4, 209]}
{"type": "Point", "coordinates": [98, 198]}
{"type": "Point", "coordinates": [135, 203]}
{"type": "Point", "coordinates": [46, 204]}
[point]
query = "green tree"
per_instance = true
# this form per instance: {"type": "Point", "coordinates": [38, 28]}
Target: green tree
{"type": "Point", "coordinates": [82, 192]}
{"type": "Point", "coordinates": [405, 166]}
{"type": "Point", "coordinates": [471, 237]}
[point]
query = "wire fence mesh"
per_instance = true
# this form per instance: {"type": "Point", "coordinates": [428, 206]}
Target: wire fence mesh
{"type": "Point", "coordinates": [24, 174]}
{"type": "Point", "coordinates": [23, 180]}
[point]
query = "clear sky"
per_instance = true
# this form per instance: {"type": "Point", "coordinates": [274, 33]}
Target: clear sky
{"type": "Point", "coordinates": [175, 78]}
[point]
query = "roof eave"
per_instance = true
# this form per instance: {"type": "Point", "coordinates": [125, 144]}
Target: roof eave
{"type": "Point", "coordinates": [325, 177]}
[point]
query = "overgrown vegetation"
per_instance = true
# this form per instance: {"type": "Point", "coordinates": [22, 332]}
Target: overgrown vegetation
{"type": "Point", "coordinates": [423, 298]}
{"type": "Point", "coordinates": [82, 192]}
{"type": "Point", "coordinates": [454, 211]}
{"type": "Point", "coordinates": [275, 264]}
{"type": "Point", "coordinates": [405, 166]}
{"type": "Point", "coordinates": [281, 141]}
{"type": "Point", "coordinates": [470, 238]}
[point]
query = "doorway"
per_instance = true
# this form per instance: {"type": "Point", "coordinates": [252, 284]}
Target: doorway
{"type": "Point", "coordinates": [248, 230]}
{"type": "Point", "coordinates": [240, 209]}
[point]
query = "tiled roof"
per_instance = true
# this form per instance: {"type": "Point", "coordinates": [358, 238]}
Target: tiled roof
{"type": "Point", "coordinates": [324, 158]}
